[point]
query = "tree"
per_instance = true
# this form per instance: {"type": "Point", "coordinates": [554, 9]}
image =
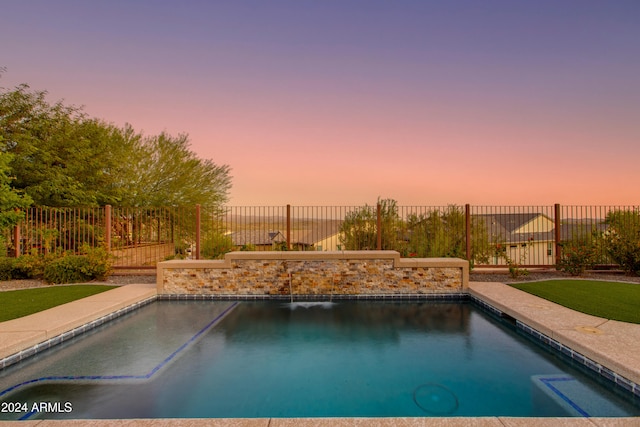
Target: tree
{"type": "Point", "coordinates": [622, 239]}
{"type": "Point", "coordinates": [359, 228]}
{"type": "Point", "coordinates": [165, 172]}
{"type": "Point", "coordinates": [443, 234]}
{"type": "Point", "coordinates": [11, 201]}
{"type": "Point", "coordinates": [60, 157]}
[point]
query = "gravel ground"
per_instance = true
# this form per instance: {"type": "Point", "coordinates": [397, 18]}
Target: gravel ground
{"type": "Point", "coordinates": [479, 275]}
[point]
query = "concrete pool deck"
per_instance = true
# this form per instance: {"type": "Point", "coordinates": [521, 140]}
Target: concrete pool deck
{"type": "Point", "coordinates": [23, 333]}
{"type": "Point", "coordinates": [611, 343]}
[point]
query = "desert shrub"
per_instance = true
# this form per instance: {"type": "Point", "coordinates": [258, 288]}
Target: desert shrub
{"type": "Point", "coordinates": [67, 269]}
{"type": "Point", "coordinates": [215, 246]}
{"type": "Point", "coordinates": [280, 246]}
{"type": "Point", "coordinates": [31, 266]}
{"type": "Point", "coordinates": [578, 255]}
{"type": "Point", "coordinates": [622, 239]}
{"type": "Point", "coordinates": [6, 268]}
{"type": "Point", "coordinates": [93, 264]}
{"type": "Point", "coordinates": [515, 265]}
{"type": "Point", "coordinates": [99, 263]}
{"type": "Point", "coordinates": [626, 253]}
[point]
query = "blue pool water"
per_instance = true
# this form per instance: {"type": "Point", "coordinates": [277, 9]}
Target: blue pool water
{"type": "Point", "coordinates": [194, 359]}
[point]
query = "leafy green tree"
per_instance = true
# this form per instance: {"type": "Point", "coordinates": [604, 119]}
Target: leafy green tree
{"type": "Point", "coordinates": [443, 234]}
{"type": "Point", "coordinates": [11, 201]}
{"type": "Point", "coordinates": [359, 228]}
{"type": "Point", "coordinates": [60, 157]}
{"type": "Point", "coordinates": [622, 239]}
{"type": "Point", "coordinates": [165, 172]}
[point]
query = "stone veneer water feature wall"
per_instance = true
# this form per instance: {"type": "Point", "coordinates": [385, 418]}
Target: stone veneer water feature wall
{"type": "Point", "coordinates": [343, 273]}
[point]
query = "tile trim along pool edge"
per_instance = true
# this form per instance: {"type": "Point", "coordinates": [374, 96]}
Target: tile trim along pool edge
{"type": "Point", "coordinates": [473, 295]}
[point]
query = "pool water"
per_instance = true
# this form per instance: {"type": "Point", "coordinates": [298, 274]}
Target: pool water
{"type": "Point", "coordinates": [197, 359]}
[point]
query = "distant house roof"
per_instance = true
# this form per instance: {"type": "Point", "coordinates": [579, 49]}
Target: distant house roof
{"type": "Point", "coordinates": [306, 237]}
{"type": "Point", "coordinates": [574, 229]}
{"type": "Point", "coordinates": [509, 222]}
{"type": "Point", "coordinates": [513, 227]}
{"type": "Point", "coordinates": [257, 237]}
{"type": "Point", "coordinates": [312, 236]}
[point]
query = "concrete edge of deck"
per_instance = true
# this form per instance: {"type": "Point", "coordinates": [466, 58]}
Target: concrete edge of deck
{"type": "Point", "coordinates": [614, 344]}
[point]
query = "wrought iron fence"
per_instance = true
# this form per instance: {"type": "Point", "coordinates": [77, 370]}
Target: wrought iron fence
{"type": "Point", "coordinates": [489, 236]}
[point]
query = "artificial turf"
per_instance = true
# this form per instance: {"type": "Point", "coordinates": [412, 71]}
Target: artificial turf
{"type": "Point", "coordinates": [610, 300]}
{"type": "Point", "coordinates": [14, 304]}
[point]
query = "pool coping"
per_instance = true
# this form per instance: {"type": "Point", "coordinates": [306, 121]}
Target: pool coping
{"type": "Point", "coordinates": [611, 344]}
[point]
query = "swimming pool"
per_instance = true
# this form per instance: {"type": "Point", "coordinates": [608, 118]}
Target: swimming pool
{"type": "Point", "coordinates": [274, 359]}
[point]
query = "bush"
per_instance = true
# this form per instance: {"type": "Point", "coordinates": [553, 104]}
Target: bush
{"type": "Point", "coordinates": [215, 246]}
{"type": "Point", "coordinates": [578, 255]}
{"type": "Point", "coordinates": [622, 239]}
{"type": "Point", "coordinates": [23, 267]}
{"type": "Point", "coordinates": [68, 269]}
{"type": "Point", "coordinates": [30, 266]}
{"type": "Point", "coordinates": [626, 252]}
{"type": "Point", "coordinates": [6, 268]}
{"type": "Point", "coordinates": [59, 267]}
{"type": "Point", "coordinates": [94, 264]}
{"type": "Point", "coordinates": [99, 263]}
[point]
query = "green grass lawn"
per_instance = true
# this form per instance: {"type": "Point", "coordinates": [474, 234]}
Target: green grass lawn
{"type": "Point", "coordinates": [611, 300]}
{"type": "Point", "coordinates": [14, 304]}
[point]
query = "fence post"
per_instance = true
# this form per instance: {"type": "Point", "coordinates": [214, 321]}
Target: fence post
{"type": "Point", "coordinates": [288, 227]}
{"type": "Point", "coordinates": [558, 234]}
{"type": "Point", "coordinates": [198, 231]}
{"type": "Point", "coordinates": [107, 227]}
{"type": "Point", "coordinates": [379, 226]}
{"type": "Point", "coordinates": [16, 239]}
{"type": "Point", "coordinates": [467, 226]}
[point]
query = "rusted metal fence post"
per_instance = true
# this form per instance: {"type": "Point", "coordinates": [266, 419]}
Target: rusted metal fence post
{"type": "Point", "coordinates": [198, 231]}
{"type": "Point", "coordinates": [467, 226]}
{"type": "Point", "coordinates": [379, 226]}
{"type": "Point", "coordinates": [288, 227]}
{"type": "Point", "coordinates": [558, 233]}
{"type": "Point", "coordinates": [107, 227]}
{"type": "Point", "coordinates": [16, 239]}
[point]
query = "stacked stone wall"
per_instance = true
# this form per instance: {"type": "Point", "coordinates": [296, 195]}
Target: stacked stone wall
{"type": "Point", "coordinates": [305, 273]}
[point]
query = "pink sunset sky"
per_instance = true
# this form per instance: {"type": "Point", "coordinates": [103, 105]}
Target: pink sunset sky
{"type": "Point", "coordinates": [339, 102]}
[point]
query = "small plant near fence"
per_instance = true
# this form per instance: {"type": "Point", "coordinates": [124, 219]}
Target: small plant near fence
{"type": "Point", "coordinates": [515, 265]}
{"type": "Point", "coordinates": [215, 246]}
{"type": "Point", "coordinates": [578, 255]}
